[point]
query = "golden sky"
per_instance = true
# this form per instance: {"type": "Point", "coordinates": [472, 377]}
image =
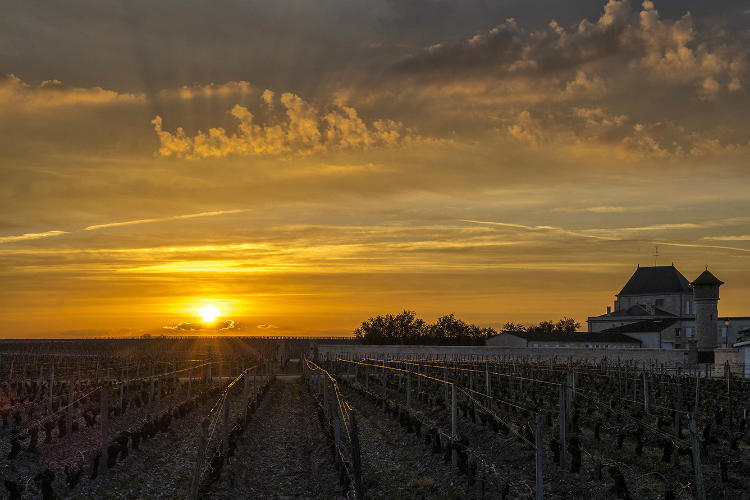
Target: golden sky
{"type": "Point", "coordinates": [304, 165]}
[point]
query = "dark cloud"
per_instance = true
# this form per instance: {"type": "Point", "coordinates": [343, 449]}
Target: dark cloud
{"type": "Point", "coordinates": [628, 40]}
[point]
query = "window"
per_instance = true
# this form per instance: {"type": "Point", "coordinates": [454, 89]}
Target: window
{"type": "Point", "coordinates": [688, 331]}
{"type": "Point", "coordinates": [536, 345]}
{"type": "Point", "coordinates": [676, 332]}
{"type": "Point", "coordinates": [667, 345]}
{"type": "Point", "coordinates": [723, 332]}
{"type": "Point", "coordinates": [678, 346]}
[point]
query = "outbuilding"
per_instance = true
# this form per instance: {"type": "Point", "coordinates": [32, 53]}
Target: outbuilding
{"type": "Point", "coordinates": [578, 340]}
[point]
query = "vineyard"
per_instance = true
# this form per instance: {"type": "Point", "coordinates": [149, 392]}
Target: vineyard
{"type": "Point", "coordinates": [259, 418]}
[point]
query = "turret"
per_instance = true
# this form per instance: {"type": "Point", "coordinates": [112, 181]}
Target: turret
{"type": "Point", "coordinates": [706, 297]}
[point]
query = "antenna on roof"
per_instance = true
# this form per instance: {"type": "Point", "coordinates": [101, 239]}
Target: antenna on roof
{"type": "Point", "coordinates": [656, 254]}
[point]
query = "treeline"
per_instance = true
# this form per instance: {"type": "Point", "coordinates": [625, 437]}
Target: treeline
{"type": "Point", "coordinates": [565, 325]}
{"type": "Point", "coordinates": [406, 329]}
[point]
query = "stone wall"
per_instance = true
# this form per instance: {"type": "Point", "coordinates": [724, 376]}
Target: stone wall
{"type": "Point", "coordinates": [737, 358]}
{"type": "Point", "coordinates": [667, 357]}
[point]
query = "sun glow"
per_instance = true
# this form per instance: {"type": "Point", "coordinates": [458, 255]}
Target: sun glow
{"type": "Point", "coordinates": [209, 313]}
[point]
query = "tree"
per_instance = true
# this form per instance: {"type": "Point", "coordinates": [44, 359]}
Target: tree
{"type": "Point", "coordinates": [404, 328]}
{"type": "Point", "coordinates": [511, 327]}
{"type": "Point", "coordinates": [407, 328]}
{"type": "Point", "coordinates": [567, 325]}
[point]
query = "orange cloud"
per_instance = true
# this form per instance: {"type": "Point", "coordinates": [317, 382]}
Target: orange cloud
{"type": "Point", "coordinates": [304, 130]}
{"type": "Point", "coordinates": [15, 93]}
{"type": "Point", "coordinates": [30, 236]}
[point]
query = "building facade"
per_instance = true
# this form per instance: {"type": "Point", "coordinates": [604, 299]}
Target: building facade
{"type": "Point", "coordinates": [661, 308]}
{"type": "Point", "coordinates": [579, 340]}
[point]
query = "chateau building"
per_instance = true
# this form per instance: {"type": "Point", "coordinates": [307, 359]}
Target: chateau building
{"type": "Point", "coordinates": [659, 307]}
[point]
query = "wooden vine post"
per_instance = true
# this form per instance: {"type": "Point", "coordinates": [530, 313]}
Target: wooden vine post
{"type": "Point", "coordinates": [245, 396]}
{"type": "Point", "coordinates": [225, 425]}
{"type": "Point", "coordinates": [359, 490]}
{"type": "Point", "coordinates": [487, 384]}
{"type": "Point", "coordinates": [694, 444]}
{"type": "Point", "coordinates": [678, 407]}
{"type": "Point", "coordinates": [255, 387]}
{"type": "Point", "coordinates": [104, 420]}
{"type": "Point", "coordinates": [539, 457]}
{"type": "Point", "coordinates": [454, 425]}
{"type": "Point", "coordinates": [195, 487]}
{"type": "Point", "coordinates": [563, 426]}
{"type": "Point", "coordinates": [408, 390]}
{"type": "Point", "coordinates": [445, 377]}
{"type": "Point", "coordinates": [325, 394]}
{"type": "Point", "coordinates": [385, 386]}
{"type": "Point", "coordinates": [69, 413]}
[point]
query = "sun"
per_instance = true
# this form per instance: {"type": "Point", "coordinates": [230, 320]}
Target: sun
{"type": "Point", "coordinates": [208, 313]}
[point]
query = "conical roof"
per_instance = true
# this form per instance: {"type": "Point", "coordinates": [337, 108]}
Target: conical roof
{"type": "Point", "coordinates": [707, 279]}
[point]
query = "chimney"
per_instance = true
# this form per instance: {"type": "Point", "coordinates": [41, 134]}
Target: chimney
{"type": "Point", "coordinates": [609, 309]}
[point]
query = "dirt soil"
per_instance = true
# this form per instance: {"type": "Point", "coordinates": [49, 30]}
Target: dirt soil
{"type": "Point", "coordinates": [283, 452]}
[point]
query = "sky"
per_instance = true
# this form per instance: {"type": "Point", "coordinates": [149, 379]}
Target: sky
{"type": "Point", "coordinates": [302, 166]}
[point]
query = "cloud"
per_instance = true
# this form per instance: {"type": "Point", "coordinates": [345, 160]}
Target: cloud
{"type": "Point", "coordinates": [184, 326]}
{"type": "Point", "coordinates": [267, 326]}
{"type": "Point", "coordinates": [49, 94]}
{"type": "Point", "coordinates": [619, 233]}
{"type": "Point", "coordinates": [229, 325]}
{"type": "Point", "coordinates": [609, 209]}
{"type": "Point", "coordinates": [162, 219]}
{"type": "Point", "coordinates": [187, 92]}
{"type": "Point", "coordinates": [552, 229]}
{"type": "Point", "coordinates": [526, 129]}
{"type": "Point", "coordinates": [31, 236]}
{"type": "Point", "coordinates": [621, 40]}
{"type": "Point", "coordinates": [741, 237]}
{"type": "Point", "coordinates": [600, 133]}
{"type": "Point", "coordinates": [303, 129]}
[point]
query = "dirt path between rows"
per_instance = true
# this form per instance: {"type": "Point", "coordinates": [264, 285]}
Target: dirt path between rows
{"type": "Point", "coordinates": [283, 452]}
{"type": "Point", "coordinates": [396, 464]}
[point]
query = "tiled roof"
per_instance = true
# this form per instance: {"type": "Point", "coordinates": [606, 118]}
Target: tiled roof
{"type": "Point", "coordinates": [635, 311]}
{"type": "Point", "coordinates": [654, 280]}
{"type": "Point", "coordinates": [597, 337]}
{"type": "Point", "coordinates": [649, 325]}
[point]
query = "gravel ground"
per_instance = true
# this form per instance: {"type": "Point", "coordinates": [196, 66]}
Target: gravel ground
{"type": "Point", "coordinates": [283, 452]}
{"type": "Point", "coordinates": [160, 468]}
{"type": "Point", "coordinates": [396, 464]}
